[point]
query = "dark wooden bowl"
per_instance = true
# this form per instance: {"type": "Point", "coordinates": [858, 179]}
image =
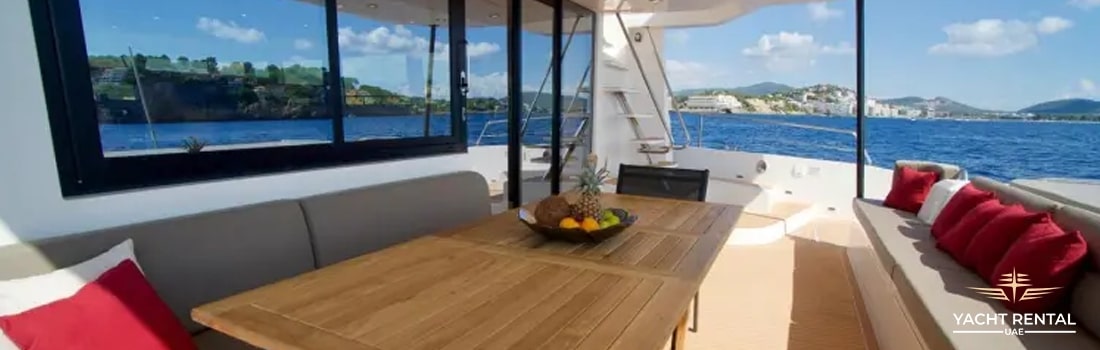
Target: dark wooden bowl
{"type": "Point", "coordinates": [577, 235]}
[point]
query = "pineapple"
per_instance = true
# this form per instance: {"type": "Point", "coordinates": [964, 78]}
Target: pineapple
{"type": "Point", "coordinates": [589, 204]}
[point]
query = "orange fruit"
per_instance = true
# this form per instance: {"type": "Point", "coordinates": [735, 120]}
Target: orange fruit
{"type": "Point", "coordinates": [590, 224]}
{"type": "Point", "coordinates": [569, 223]}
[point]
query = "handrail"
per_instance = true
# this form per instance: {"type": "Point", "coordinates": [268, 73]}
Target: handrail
{"type": "Point", "coordinates": [866, 153]}
{"type": "Point", "coordinates": [668, 86]}
{"type": "Point", "coordinates": [549, 70]}
{"type": "Point", "coordinates": [645, 79]}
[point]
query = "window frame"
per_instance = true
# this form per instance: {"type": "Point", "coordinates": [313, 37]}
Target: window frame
{"type": "Point", "coordinates": [83, 168]}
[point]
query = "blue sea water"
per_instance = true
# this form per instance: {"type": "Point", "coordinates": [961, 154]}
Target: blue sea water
{"type": "Point", "coordinates": [999, 149]}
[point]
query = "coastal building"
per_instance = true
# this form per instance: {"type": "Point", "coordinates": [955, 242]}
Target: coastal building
{"type": "Point", "coordinates": [712, 103]}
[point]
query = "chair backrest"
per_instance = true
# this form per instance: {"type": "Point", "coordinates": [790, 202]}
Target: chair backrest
{"type": "Point", "coordinates": [685, 184]}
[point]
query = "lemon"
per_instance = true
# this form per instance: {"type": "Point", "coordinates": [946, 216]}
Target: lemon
{"type": "Point", "coordinates": [569, 223]}
{"type": "Point", "coordinates": [590, 224]}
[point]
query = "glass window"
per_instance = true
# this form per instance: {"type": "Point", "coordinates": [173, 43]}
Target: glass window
{"type": "Point", "coordinates": [152, 93]}
{"type": "Point", "coordinates": [396, 67]}
{"type": "Point", "coordinates": [177, 77]}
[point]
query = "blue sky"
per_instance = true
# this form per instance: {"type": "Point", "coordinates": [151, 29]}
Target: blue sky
{"type": "Point", "coordinates": [1000, 54]}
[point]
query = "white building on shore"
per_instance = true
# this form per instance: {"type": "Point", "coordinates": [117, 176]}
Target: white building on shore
{"type": "Point", "coordinates": [712, 103]}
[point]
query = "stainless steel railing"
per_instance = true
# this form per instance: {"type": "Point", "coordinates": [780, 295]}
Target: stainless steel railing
{"type": "Point", "coordinates": [866, 153]}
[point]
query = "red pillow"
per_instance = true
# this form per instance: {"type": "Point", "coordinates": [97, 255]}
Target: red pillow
{"type": "Point", "coordinates": [962, 202]}
{"type": "Point", "coordinates": [119, 310]}
{"type": "Point", "coordinates": [910, 188]}
{"type": "Point", "coordinates": [954, 242]}
{"type": "Point", "coordinates": [991, 242]}
{"type": "Point", "coordinates": [1050, 259]}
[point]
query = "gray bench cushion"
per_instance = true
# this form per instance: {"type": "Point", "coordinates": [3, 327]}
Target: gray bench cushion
{"type": "Point", "coordinates": [190, 260]}
{"type": "Point", "coordinates": [899, 237]}
{"type": "Point", "coordinates": [945, 171]}
{"type": "Point", "coordinates": [351, 223]}
{"type": "Point", "coordinates": [214, 340]}
{"type": "Point", "coordinates": [934, 287]}
{"type": "Point", "coordinates": [934, 296]}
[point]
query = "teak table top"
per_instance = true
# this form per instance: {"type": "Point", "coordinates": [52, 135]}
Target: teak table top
{"type": "Point", "coordinates": [495, 285]}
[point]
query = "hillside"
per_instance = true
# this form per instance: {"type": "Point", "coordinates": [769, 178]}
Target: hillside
{"type": "Point", "coordinates": [751, 90]}
{"type": "Point", "coordinates": [1068, 106]}
{"type": "Point", "coordinates": [940, 104]}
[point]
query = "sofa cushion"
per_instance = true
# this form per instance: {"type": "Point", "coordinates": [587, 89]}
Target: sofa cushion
{"type": "Point", "coordinates": [961, 203]}
{"type": "Point", "coordinates": [355, 222]}
{"type": "Point", "coordinates": [991, 242]}
{"type": "Point", "coordinates": [1051, 258]}
{"type": "Point", "coordinates": [214, 340]}
{"type": "Point", "coordinates": [910, 188]}
{"type": "Point", "coordinates": [955, 241]}
{"type": "Point", "coordinates": [934, 297]}
{"type": "Point", "coordinates": [116, 310]}
{"type": "Point", "coordinates": [945, 171]}
{"type": "Point", "coordinates": [1012, 195]}
{"type": "Point", "coordinates": [190, 260]}
{"type": "Point", "coordinates": [941, 193]}
{"type": "Point", "coordinates": [898, 235]}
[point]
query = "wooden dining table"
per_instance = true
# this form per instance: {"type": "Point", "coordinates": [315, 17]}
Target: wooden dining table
{"type": "Point", "coordinates": [495, 284]}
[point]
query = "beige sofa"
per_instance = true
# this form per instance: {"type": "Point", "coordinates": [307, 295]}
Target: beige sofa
{"type": "Point", "coordinates": [933, 288]}
{"type": "Point", "coordinates": [201, 258]}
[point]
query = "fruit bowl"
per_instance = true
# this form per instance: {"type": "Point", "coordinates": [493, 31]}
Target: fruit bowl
{"type": "Point", "coordinates": [578, 235]}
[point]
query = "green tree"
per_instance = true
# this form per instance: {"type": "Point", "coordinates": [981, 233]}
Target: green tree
{"type": "Point", "coordinates": [249, 70]}
{"type": "Point", "coordinates": [211, 65]}
{"type": "Point", "coordinates": [274, 73]}
{"type": "Point", "coordinates": [140, 62]}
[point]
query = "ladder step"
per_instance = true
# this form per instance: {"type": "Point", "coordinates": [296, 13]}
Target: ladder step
{"type": "Point", "coordinates": [654, 149]}
{"type": "Point", "coordinates": [613, 63]}
{"type": "Point", "coordinates": [620, 89]}
{"type": "Point", "coordinates": [637, 116]}
{"type": "Point", "coordinates": [648, 139]}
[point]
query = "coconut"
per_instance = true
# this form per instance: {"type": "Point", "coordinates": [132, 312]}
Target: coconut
{"type": "Point", "coordinates": [552, 210]}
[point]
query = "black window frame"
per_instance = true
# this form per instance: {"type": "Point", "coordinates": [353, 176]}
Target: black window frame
{"type": "Point", "coordinates": [83, 168]}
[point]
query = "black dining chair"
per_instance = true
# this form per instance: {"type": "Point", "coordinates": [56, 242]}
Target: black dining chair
{"type": "Point", "coordinates": [672, 183]}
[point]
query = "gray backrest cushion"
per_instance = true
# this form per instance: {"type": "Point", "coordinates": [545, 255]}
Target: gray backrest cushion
{"type": "Point", "coordinates": [1013, 195]}
{"type": "Point", "coordinates": [946, 171]}
{"type": "Point", "coordinates": [350, 223]}
{"type": "Point", "coordinates": [1085, 301]}
{"type": "Point", "coordinates": [190, 260]}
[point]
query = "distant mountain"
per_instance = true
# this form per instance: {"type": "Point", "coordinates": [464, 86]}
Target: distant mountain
{"type": "Point", "coordinates": [751, 90]}
{"type": "Point", "coordinates": [1068, 106]}
{"type": "Point", "coordinates": [940, 104]}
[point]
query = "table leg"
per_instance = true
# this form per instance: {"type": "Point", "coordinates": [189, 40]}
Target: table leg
{"type": "Point", "coordinates": [679, 335]}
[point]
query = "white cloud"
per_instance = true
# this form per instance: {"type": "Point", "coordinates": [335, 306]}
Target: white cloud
{"type": "Point", "coordinates": [481, 49]}
{"type": "Point", "coordinates": [229, 30]}
{"type": "Point", "coordinates": [302, 61]}
{"type": "Point", "coordinates": [303, 44]}
{"type": "Point", "coordinates": [785, 51]}
{"type": "Point", "coordinates": [996, 37]}
{"type": "Point", "coordinates": [1085, 4]}
{"type": "Point", "coordinates": [1051, 25]}
{"type": "Point", "coordinates": [490, 85]}
{"type": "Point", "coordinates": [690, 75]}
{"type": "Point", "coordinates": [820, 11]}
{"type": "Point", "coordinates": [401, 40]}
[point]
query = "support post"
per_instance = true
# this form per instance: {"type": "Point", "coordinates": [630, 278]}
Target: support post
{"type": "Point", "coordinates": [335, 86]}
{"type": "Point", "coordinates": [515, 102]}
{"type": "Point", "coordinates": [555, 98]}
{"type": "Point", "coordinates": [428, 84]}
{"type": "Point", "coordinates": [860, 101]}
